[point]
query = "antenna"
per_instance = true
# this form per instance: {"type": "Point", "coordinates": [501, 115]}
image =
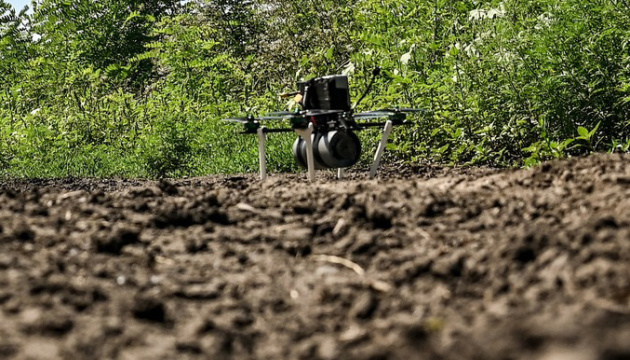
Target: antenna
{"type": "Point", "coordinates": [376, 72]}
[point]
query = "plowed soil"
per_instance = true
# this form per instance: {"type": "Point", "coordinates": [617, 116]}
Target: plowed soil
{"type": "Point", "coordinates": [423, 263]}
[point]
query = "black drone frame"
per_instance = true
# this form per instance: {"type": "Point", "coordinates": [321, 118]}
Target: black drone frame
{"type": "Point", "coordinates": [326, 126]}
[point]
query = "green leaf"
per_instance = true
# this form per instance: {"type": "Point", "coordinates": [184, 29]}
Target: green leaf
{"type": "Point", "coordinates": [329, 53]}
{"type": "Point", "coordinates": [583, 132]}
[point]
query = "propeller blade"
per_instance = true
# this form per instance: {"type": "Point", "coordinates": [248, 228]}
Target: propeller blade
{"type": "Point", "coordinates": [399, 110]}
{"type": "Point", "coordinates": [246, 120]}
{"type": "Point", "coordinates": [283, 115]}
{"type": "Point", "coordinates": [318, 112]}
{"type": "Point", "coordinates": [280, 113]}
{"type": "Point", "coordinates": [266, 118]}
{"type": "Point", "coordinates": [372, 115]}
{"type": "Point", "coordinates": [241, 120]}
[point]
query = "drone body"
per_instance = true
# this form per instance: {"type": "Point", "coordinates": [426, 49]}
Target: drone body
{"type": "Point", "coordinates": [334, 145]}
{"type": "Point", "coordinates": [326, 125]}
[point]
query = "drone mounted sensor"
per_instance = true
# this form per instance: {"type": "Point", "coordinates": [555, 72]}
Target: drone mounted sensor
{"type": "Point", "coordinates": [326, 125]}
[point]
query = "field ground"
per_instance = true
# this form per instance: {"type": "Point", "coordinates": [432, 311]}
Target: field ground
{"type": "Point", "coordinates": [425, 263]}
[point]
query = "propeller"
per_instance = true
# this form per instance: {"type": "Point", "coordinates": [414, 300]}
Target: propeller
{"type": "Point", "coordinates": [279, 115]}
{"type": "Point", "coordinates": [286, 115]}
{"type": "Point", "coordinates": [399, 110]}
{"type": "Point", "coordinates": [250, 122]}
{"type": "Point", "coordinates": [241, 120]}
{"type": "Point", "coordinates": [319, 112]}
{"type": "Point", "coordinates": [385, 113]}
{"type": "Point", "coordinates": [371, 115]}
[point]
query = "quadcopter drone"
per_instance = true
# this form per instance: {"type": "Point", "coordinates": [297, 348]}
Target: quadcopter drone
{"type": "Point", "coordinates": [326, 125]}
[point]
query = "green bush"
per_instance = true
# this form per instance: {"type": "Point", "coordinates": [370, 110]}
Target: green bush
{"type": "Point", "coordinates": [122, 88]}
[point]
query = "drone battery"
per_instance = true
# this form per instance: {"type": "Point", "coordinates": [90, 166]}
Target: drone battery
{"type": "Point", "coordinates": [338, 149]}
{"type": "Point", "coordinates": [328, 93]}
{"type": "Point", "coordinates": [331, 149]}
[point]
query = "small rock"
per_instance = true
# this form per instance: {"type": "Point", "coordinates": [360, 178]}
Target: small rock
{"type": "Point", "coordinates": [201, 291]}
{"type": "Point", "coordinates": [341, 228]}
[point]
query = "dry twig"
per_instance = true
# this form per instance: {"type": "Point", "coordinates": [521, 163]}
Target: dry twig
{"type": "Point", "coordinates": [340, 261]}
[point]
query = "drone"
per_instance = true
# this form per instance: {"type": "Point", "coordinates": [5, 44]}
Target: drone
{"type": "Point", "coordinates": [326, 125]}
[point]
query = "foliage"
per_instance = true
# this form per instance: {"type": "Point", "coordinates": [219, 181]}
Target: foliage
{"type": "Point", "coordinates": [137, 88]}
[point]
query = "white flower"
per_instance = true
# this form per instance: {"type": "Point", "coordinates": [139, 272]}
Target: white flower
{"type": "Point", "coordinates": [544, 20]}
{"type": "Point", "coordinates": [471, 50]}
{"type": "Point", "coordinates": [476, 14]}
{"type": "Point", "coordinates": [348, 69]}
{"type": "Point", "coordinates": [497, 13]}
{"type": "Point", "coordinates": [405, 58]}
{"type": "Point", "coordinates": [480, 14]}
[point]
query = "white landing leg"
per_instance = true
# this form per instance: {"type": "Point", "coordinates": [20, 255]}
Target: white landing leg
{"type": "Point", "coordinates": [381, 148]}
{"type": "Point", "coordinates": [341, 173]}
{"type": "Point", "coordinates": [262, 153]}
{"type": "Point", "coordinates": [310, 158]}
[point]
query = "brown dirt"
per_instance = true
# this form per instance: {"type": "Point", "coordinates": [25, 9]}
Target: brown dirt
{"type": "Point", "coordinates": [426, 263]}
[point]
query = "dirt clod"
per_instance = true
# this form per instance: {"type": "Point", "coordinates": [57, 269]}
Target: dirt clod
{"type": "Point", "coordinates": [149, 308]}
{"type": "Point", "coordinates": [364, 306]}
{"type": "Point", "coordinates": [114, 241]}
{"type": "Point", "coordinates": [23, 233]}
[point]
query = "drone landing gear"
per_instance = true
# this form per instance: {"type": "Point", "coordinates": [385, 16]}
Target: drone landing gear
{"type": "Point", "coordinates": [306, 134]}
{"type": "Point", "coordinates": [310, 157]}
{"type": "Point", "coordinates": [262, 152]}
{"type": "Point", "coordinates": [381, 148]}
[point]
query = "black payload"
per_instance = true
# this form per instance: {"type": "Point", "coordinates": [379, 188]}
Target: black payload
{"type": "Point", "coordinates": [326, 93]}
